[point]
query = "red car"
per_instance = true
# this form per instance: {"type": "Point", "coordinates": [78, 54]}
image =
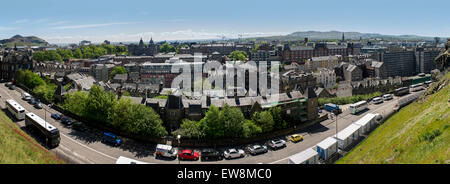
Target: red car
{"type": "Point", "coordinates": [188, 155]}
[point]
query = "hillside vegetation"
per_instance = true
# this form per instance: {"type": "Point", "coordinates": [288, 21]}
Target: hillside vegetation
{"type": "Point", "coordinates": [418, 133]}
{"type": "Point", "coordinates": [23, 41]}
{"type": "Point", "coordinates": [16, 147]}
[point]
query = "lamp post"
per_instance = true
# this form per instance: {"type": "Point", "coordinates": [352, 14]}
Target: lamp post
{"type": "Point", "coordinates": [178, 138]}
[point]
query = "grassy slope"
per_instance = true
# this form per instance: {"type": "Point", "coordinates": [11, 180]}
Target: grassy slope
{"type": "Point", "coordinates": [16, 147]}
{"type": "Point", "coordinates": [398, 139]}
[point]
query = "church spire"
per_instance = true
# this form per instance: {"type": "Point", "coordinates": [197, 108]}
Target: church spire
{"type": "Point", "coordinates": [343, 37]}
{"type": "Point", "coordinates": [141, 43]}
{"type": "Point", "coordinates": [151, 40]}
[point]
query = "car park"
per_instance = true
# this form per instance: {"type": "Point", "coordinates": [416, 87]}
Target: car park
{"type": "Point", "coordinates": [188, 155]}
{"type": "Point", "coordinates": [111, 139]}
{"type": "Point", "coordinates": [233, 153]}
{"type": "Point", "coordinates": [211, 154]}
{"type": "Point", "coordinates": [296, 138]}
{"type": "Point", "coordinates": [56, 116]}
{"type": "Point", "coordinates": [168, 151]}
{"type": "Point", "coordinates": [257, 149]}
{"type": "Point", "coordinates": [65, 120]}
{"type": "Point", "coordinates": [277, 144]}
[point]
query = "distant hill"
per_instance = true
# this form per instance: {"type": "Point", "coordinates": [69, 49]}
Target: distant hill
{"type": "Point", "coordinates": [24, 41]}
{"type": "Point", "coordinates": [337, 35]}
{"type": "Point", "coordinates": [418, 134]}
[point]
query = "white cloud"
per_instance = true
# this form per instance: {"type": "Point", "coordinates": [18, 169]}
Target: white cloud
{"type": "Point", "coordinates": [91, 25]}
{"type": "Point", "coordinates": [21, 21]}
{"type": "Point", "coordinates": [173, 35]}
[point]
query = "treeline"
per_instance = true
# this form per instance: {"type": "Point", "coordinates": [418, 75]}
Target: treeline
{"type": "Point", "coordinates": [85, 52]}
{"type": "Point", "coordinates": [102, 107]}
{"type": "Point", "coordinates": [229, 122]}
{"type": "Point", "coordinates": [347, 100]}
{"type": "Point", "coordinates": [42, 88]}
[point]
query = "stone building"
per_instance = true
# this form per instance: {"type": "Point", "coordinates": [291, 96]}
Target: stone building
{"type": "Point", "coordinates": [143, 50]}
{"type": "Point", "coordinates": [353, 73]}
{"type": "Point", "coordinates": [11, 61]}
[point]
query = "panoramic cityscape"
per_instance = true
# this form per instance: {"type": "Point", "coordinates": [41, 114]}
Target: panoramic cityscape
{"type": "Point", "coordinates": [222, 84]}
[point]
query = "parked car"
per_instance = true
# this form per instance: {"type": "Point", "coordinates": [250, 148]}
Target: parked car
{"type": "Point", "coordinates": [111, 138]}
{"type": "Point", "coordinates": [188, 155]}
{"type": "Point", "coordinates": [388, 97]}
{"type": "Point", "coordinates": [26, 96]}
{"type": "Point", "coordinates": [8, 84]}
{"type": "Point", "coordinates": [233, 153]}
{"type": "Point", "coordinates": [257, 149]}
{"type": "Point", "coordinates": [38, 105]}
{"type": "Point", "coordinates": [296, 138]}
{"type": "Point", "coordinates": [211, 154]}
{"type": "Point", "coordinates": [277, 143]}
{"type": "Point", "coordinates": [65, 120]}
{"type": "Point", "coordinates": [377, 100]}
{"type": "Point", "coordinates": [11, 87]}
{"type": "Point", "coordinates": [56, 116]}
{"type": "Point", "coordinates": [163, 150]}
{"type": "Point", "coordinates": [79, 126]}
{"type": "Point", "coordinates": [32, 101]}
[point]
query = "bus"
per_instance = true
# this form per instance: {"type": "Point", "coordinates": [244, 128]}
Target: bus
{"type": "Point", "coordinates": [401, 91]}
{"type": "Point", "coordinates": [50, 132]}
{"type": "Point", "coordinates": [415, 87]}
{"type": "Point", "coordinates": [358, 107]}
{"type": "Point", "coordinates": [15, 109]}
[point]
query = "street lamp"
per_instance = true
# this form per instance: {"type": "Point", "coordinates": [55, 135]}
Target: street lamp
{"type": "Point", "coordinates": [178, 138]}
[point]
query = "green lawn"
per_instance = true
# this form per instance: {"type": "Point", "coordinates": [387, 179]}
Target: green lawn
{"type": "Point", "coordinates": [17, 147]}
{"type": "Point", "coordinates": [418, 133]}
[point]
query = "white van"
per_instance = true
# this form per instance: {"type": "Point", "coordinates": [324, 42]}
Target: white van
{"type": "Point", "coordinates": [165, 151]}
{"type": "Point", "coordinates": [377, 100]}
{"type": "Point", "coordinates": [387, 97]}
{"type": "Point", "coordinates": [26, 96]}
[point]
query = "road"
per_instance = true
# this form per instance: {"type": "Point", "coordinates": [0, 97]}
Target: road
{"type": "Point", "coordinates": [86, 147]}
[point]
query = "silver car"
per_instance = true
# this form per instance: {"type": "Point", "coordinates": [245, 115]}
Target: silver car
{"type": "Point", "coordinates": [233, 153]}
{"type": "Point", "coordinates": [257, 149]}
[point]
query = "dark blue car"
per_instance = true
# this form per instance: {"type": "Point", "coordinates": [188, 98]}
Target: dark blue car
{"type": "Point", "coordinates": [66, 120]}
{"type": "Point", "coordinates": [56, 116]}
{"type": "Point", "coordinates": [111, 138]}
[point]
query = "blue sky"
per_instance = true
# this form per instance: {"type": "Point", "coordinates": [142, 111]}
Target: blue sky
{"type": "Point", "coordinates": [96, 20]}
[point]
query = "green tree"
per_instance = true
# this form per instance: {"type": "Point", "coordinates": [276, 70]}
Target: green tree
{"type": "Point", "coordinates": [250, 129]}
{"type": "Point", "coordinates": [233, 121]}
{"type": "Point", "coordinates": [167, 48]}
{"type": "Point", "coordinates": [279, 122]}
{"type": "Point", "coordinates": [211, 124]}
{"type": "Point", "coordinates": [29, 79]}
{"type": "Point", "coordinates": [78, 54]}
{"type": "Point", "coordinates": [238, 55]}
{"type": "Point", "coordinates": [99, 104]}
{"type": "Point", "coordinates": [264, 120]}
{"type": "Point", "coordinates": [75, 102]}
{"type": "Point", "coordinates": [117, 70]}
{"type": "Point", "coordinates": [190, 129]}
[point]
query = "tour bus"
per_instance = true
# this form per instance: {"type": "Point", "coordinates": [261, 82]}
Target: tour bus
{"type": "Point", "coordinates": [415, 87]}
{"type": "Point", "coordinates": [358, 107]}
{"type": "Point", "coordinates": [15, 109]}
{"type": "Point", "coordinates": [50, 132]}
{"type": "Point", "coordinates": [401, 91]}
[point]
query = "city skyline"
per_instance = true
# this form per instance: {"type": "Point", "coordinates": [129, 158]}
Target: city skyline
{"type": "Point", "coordinates": [59, 23]}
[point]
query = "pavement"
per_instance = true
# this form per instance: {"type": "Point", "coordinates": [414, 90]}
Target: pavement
{"type": "Point", "coordinates": [86, 147]}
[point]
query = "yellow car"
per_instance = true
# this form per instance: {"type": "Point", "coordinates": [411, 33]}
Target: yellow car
{"type": "Point", "coordinates": [296, 138]}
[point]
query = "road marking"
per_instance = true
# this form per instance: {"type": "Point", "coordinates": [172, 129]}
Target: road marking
{"type": "Point", "coordinates": [71, 138]}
